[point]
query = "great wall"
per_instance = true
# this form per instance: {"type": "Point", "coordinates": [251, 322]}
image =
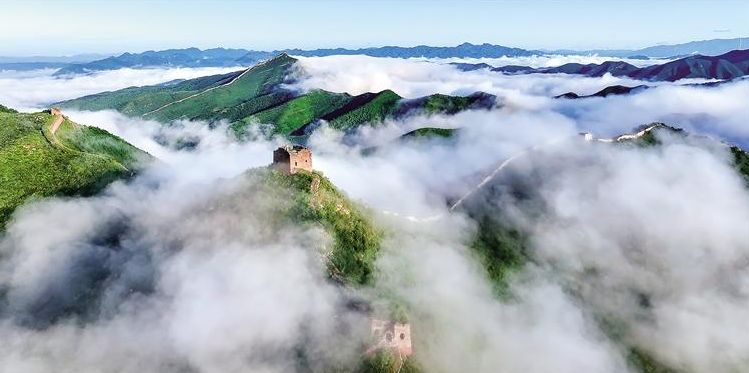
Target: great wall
{"type": "Point", "coordinates": [585, 135]}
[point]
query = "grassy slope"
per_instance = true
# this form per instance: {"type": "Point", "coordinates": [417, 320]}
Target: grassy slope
{"type": "Point", "coordinates": [260, 80]}
{"type": "Point", "coordinates": [302, 110]}
{"type": "Point", "coordinates": [135, 101]}
{"type": "Point", "coordinates": [440, 104]}
{"type": "Point", "coordinates": [356, 240]}
{"type": "Point", "coordinates": [32, 167]}
{"type": "Point", "coordinates": [384, 104]}
{"type": "Point", "coordinates": [388, 362]}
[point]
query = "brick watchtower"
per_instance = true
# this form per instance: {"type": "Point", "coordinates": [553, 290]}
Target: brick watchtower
{"type": "Point", "coordinates": [290, 159]}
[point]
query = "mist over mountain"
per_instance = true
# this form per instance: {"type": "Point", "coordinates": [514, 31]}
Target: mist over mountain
{"type": "Point", "coordinates": [345, 212]}
{"type": "Point", "coordinates": [260, 94]}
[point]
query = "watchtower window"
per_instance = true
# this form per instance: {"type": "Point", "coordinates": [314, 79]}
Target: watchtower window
{"type": "Point", "coordinates": [403, 335]}
{"type": "Point", "coordinates": [294, 163]}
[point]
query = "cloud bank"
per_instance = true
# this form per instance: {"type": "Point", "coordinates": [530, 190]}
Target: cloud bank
{"type": "Point", "coordinates": [650, 240]}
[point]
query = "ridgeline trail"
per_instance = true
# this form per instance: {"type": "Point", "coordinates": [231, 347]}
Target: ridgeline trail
{"type": "Point", "coordinates": [56, 124]}
{"type": "Point", "coordinates": [261, 64]}
{"type": "Point", "coordinates": [55, 141]}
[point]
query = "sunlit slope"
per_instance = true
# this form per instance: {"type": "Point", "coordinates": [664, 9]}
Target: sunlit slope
{"type": "Point", "coordinates": [309, 199]}
{"type": "Point", "coordinates": [299, 111]}
{"type": "Point", "coordinates": [75, 160]}
{"type": "Point", "coordinates": [135, 101]}
{"type": "Point", "coordinates": [258, 95]}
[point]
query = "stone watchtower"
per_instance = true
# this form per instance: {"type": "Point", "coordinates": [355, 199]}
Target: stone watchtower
{"type": "Point", "coordinates": [289, 159]}
{"type": "Point", "coordinates": [389, 334]}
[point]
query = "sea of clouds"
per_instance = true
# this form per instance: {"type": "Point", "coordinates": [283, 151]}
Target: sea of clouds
{"type": "Point", "coordinates": [655, 240]}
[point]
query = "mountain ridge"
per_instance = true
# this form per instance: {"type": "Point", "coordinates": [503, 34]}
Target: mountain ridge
{"type": "Point", "coordinates": [729, 65]}
{"type": "Point", "coordinates": [257, 95]}
{"type": "Point", "coordinates": [226, 57]}
{"type": "Point", "coordinates": [38, 160]}
{"type": "Point", "coordinates": [222, 57]}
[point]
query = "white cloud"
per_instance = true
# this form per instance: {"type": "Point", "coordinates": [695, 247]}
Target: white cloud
{"type": "Point", "coordinates": [231, 294]}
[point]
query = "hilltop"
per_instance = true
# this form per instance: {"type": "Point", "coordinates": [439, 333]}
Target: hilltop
{"type": "Point", "coordinates": [257, 95]}
{"type": "Point", "coordinates": [309, 198]}
{"type": "Point", "coordinates": [37, 162]}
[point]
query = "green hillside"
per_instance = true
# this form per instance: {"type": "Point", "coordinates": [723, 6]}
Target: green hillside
{"type": "Point", "coordinates": [300, 111]}
{"type": "Point", "coordinates": [209, 95]}
{"type": "Point", "coordinates": [309, 198]}
{"type": "Point", "coordinates": [134, 101]}
{"type": "Point", "coordinates": [35, 163]}
{"type": "Point", "coordinates": [258, 95]}
{"type": "Point", "coordinates": [445, 104]}
{"type": "Point", "coordinates": [381, 106]}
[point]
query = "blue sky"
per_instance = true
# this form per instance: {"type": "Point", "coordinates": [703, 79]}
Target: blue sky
{"type": "Point", "coordinates": [38, 27]}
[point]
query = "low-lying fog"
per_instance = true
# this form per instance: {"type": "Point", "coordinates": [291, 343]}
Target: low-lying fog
{"type": "Point", "coordinates": [670, 222]}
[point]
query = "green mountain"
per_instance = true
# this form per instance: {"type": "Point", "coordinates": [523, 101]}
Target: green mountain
{"type": "Point", "coordinates": [36, 162]}
{"type": "Point", "coordinates": [258, 95]}
{"type": "Point", "coordinates": [729, 65]}
{"type": "Point", "coordinates": [309, 198]}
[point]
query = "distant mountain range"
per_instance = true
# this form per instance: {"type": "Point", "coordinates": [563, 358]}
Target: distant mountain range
{"type": "Point", "coordinates": [221, 57]}
{"type": "Point", "coordinates": [726, 66]}
{"type": "Point", "coordinates": [45, 62]}
{"type": "Point", "coordinates": [190, 57]}
{"type": "Point", "coordinates": [78, 58]}
{"type": "Point", "coordinates": [194, 57]}
{"type": "Point", "coordinates": [711, 47]}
